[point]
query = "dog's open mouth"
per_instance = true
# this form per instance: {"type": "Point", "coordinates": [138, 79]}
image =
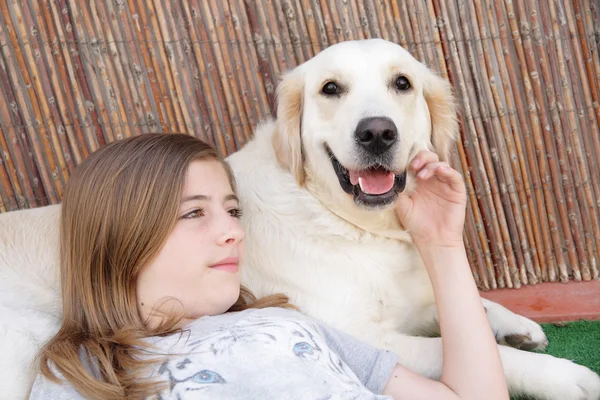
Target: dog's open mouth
{"type": "Point", "coordinates": [375, 186]}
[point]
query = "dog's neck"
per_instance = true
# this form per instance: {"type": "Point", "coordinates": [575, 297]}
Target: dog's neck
{"type": "Point", "coordinates": [382, 223]}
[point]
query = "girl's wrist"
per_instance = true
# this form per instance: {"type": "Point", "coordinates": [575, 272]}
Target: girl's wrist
{"type": "Point", "coordinates": [437, 245]}
{"type": "Point", "coordinates": [447, 255]}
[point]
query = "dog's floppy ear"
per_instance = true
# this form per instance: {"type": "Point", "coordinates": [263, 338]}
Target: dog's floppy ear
{"type": "Point", "coordinates": [443, 111]}
{"type": "Point", "coordinates": [287, 140]}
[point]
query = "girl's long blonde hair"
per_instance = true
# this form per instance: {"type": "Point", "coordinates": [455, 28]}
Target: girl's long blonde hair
{"type": "Point", "coordinates": [119, 207]}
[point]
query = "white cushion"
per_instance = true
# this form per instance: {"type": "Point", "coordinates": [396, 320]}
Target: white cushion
{"type": "Point", "coordinates": [29, 293]}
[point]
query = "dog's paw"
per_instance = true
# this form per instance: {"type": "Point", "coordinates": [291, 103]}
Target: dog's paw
{"type": "Point", "coordinates": [533, 340]}
{"type": "Point", "coordinates": [514, 330]}
{"type": "Point", "coordinates": [570, 381]}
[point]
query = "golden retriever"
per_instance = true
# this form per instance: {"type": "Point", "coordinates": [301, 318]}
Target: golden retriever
{"type": "Point", "coordinates": [317, 187]}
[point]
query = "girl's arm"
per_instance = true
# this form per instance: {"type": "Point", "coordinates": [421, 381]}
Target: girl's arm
{"type": "Point", "coordinates": [434, 215]}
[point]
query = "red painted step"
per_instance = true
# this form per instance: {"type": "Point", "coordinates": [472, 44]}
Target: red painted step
{"type": "Point", "coordinates": [552, 302]}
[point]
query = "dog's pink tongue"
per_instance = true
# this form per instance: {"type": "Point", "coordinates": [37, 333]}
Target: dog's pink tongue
{"type": "Point", "coordinates": [373, 181]}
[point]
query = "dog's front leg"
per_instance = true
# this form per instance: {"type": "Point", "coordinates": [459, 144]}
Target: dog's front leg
{"type": "Point", "coordinates": [532, 374]}
{"type": "Point", "coordinates": [514, 330]}
{"type": "Point", "coordinates": [509, 328]}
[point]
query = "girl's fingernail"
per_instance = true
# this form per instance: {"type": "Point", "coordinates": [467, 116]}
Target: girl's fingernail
{"type": "Point", "coordinates": [422, 174]}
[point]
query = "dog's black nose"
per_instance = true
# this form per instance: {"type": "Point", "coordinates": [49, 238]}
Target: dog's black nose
{"type": "Point", "coordinates": [376, 134]}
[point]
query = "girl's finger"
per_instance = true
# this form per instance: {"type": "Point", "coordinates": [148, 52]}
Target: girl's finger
{"type": "Point", "coordinates": [423, 158]}
{"type": "Point", "coordinates": [449, 175]}
{"type": "Point", "coordinates": [429, 170]}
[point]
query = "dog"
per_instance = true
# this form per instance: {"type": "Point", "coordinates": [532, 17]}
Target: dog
{"type": "Point", "coordinates": [317, 186]}
{"type": "Point", "coordinates": [319, 223]}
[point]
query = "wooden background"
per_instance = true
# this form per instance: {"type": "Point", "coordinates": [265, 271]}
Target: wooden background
{"type": "Point", "coordinates": [77, 74]}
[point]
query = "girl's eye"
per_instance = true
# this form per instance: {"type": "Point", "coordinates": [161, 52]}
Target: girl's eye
{"type": "Point", "coordinates": [236, 213]}
{"type": "Point", "coordinates": [193, 214]}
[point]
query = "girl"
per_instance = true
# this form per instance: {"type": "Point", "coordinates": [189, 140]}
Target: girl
{"type": "Point", "coordinates": [151, 248]}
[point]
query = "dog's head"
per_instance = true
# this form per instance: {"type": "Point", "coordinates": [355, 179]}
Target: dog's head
{"type": "Point", "coordinates": [351, 119]}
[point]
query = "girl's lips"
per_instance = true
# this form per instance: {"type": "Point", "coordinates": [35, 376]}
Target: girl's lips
{"type": "Point", "coordinates": [230, 264]}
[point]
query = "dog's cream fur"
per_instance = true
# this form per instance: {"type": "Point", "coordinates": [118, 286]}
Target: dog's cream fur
{"type": "Point", "coordinates": [353, 267]}
{"type": "Point", "coordinates": [350, 267]}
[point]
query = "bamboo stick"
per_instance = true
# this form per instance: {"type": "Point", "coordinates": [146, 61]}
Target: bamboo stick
{"type": "Point", "coordinates": [320, 24]}
{"type": "Point", "coordinates": [584, 218]}
{"type": "Point", "coordinates": [259, 94]}
{"type": "Point", "coordinates": [45, 112]}
{"type": "Point", "coordinates": [154, 30]}
{"type": "Point", "coordinates": [399, 25]}
{"type": "Point", "coordinates": [108, 56]}
{"type": "Point", "coordinates": [14, 194]}
{"type": "Point", "coordinates": [124, 56]}
{"type": "Point", "coordinates": [375, 20]}
{"type": "Point", "coordinates": [413, 17]}
{"type": "Point", "coordinates": [200, 88]}
{"type": "Point", "coordinates": [328, 23]}
{"type": "Point", "coordinates": [347, 28]}
{"type": "Point", "coordinates": [484, 221]}
{"type": "Point", "coordinates": [142, 74]}
{"type": "Point", "coordinates": [86, 72]}
{"type": "Point", "coordinates": [175, 62]}
{"type": "Point", "coordinates": [426, 35]}
{"type": "Point", "coordinates": [211, 123]}
{"type": "Point", "coordinates": [303, 30]}
{"type": "Point", "coordinates": [387, 12]}
{"type": "Point", "coordinates": [72, 71]}
{"type": "Point", "coordinates": [245, 71]}
{"type": "Point", "coordinates": [441, 54]}
{"type": "Point", "coordinates": [25, 174]}
{"type": "Point", "coordinates": [90, 40]}
{"type": "Point", "coordinates": [584, 62]}
{"type": "Point", "coordinates": [52, 89]}
{"type": "Point", "coordinates": [236, 109]}
{"type": "Point", "coordinates": [360, 21]}
{"type": "Point", "coordinates": [7, 197]}
{"type": "Point", "coordinates": [564, 201]}
{"type": "Point", "coordinates": [223, 95]}
{"type": "Point", "coordinates": [534, 149]}
{"type": "Point", "coordinates": [314, 28]}
{"type": "Point", "coordinates": [29, 108]}
{"type": "Point", "coordinates": [183, 65]}
{"type": "Point", "coordinates": [384, 14]}
{"type": "Point", "coordinates": [75, 129]}
{"type": "Point", "coordinates": [504, 256]}
{"type": "Point", "coordinates": [336, 23]}
{"type": "Point", "coordinates": [42, 113]}
{"type": "Point", "coordinates": [290, 18]}
{"type": "Point", "coordinates": [447, 45]}
{"type": "Point", "coordinates": [520, 128]}
{"type": "Point", "coordinates": [270, 58]}
{"type": "Point", "coordinates": [504, 154]}
{"type": "Point", "coordinates": [240, 95]}
{"type": "Point", "coordinates": [529, 65]}
{"type": "Point", "coordinates": [591, 16]}
{"type": "Point", "coordinates": [563, 144]}
{"type": "Point", "coordinates": [152, 71]}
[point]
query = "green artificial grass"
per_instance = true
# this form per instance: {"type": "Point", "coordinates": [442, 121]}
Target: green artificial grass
{"type": "Point", "coordinates": [575, 341]}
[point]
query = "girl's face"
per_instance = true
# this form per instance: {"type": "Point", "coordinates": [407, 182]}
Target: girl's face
{"type": "Point", "coordinates": [197, 270]}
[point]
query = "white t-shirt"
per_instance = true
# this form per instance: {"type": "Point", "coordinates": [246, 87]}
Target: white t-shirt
{"type": "Point", "coordinates": [269, 353]}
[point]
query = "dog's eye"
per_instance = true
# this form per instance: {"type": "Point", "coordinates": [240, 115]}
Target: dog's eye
{"type": "Point", "coordinates": [331, 89]}
{"type": "Point", "coordinates": [402, 83]}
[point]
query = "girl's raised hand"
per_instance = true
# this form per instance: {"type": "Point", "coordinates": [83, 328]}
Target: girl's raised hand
{"type": "Point", "coordinates": [434, 214]}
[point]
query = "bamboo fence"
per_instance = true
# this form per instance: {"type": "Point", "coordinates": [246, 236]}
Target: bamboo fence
{"type": "Point", "coordinates": [75, 75]}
